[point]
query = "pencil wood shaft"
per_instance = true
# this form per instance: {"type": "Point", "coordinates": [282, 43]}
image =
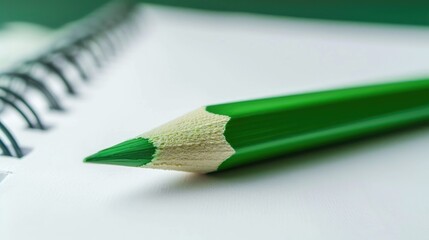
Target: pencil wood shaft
{"type": "Point", "coordinates": [224, 136]}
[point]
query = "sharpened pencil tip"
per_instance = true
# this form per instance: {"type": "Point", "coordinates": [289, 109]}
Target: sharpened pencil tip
{"type": "Point", "coordinates": [135, 152]}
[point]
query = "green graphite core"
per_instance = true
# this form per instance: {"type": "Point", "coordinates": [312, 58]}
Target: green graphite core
{"type": "Point", "coordinates": [135, 152]}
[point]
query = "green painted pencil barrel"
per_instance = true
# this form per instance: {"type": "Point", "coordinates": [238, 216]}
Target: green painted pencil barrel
{"type": "Point", "coordinates": [264, 128]}
{"type": "Point", "coordinates": [224, 136]}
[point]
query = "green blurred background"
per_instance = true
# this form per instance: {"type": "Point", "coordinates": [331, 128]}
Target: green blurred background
{"type": "Point", "coordinates": [54, 13]}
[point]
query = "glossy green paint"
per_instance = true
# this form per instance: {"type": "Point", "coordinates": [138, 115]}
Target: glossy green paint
{"type": "Point", "coordinates": [265, 128]}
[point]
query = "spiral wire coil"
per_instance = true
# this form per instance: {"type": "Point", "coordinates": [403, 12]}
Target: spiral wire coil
{"type": "Point", "coordinates": [99, 36]}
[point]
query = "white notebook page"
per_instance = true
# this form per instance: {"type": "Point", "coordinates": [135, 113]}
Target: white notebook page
{"type": "Point", "coordinates": [376, 189]}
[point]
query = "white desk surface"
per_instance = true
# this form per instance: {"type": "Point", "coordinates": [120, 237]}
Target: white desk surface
{"type": "Point", "coordinates": [374, 189]}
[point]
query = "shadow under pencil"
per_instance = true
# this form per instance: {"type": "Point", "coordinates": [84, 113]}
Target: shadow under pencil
{"type": "Point", "coordinates": [283, 166]}
{"type": "Point", "coordinates": [289, 163]}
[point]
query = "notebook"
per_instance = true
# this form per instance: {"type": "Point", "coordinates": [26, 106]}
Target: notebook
{"type": "Point", "coordinates": [178, 60]}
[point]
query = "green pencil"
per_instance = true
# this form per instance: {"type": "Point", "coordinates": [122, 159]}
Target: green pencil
{"type": "Point", "coordinates": [224, 136]}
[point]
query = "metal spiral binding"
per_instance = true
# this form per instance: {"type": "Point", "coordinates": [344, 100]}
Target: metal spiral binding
{"type": "Point", "coordinates": [99, 36]}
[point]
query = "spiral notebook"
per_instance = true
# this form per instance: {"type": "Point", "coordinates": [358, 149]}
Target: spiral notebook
{"type": "Point", "coordinates": [126, 69]}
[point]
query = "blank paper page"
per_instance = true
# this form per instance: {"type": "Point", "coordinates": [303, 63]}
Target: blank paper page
{"type": "Point", "coordinates": [3, 176]}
